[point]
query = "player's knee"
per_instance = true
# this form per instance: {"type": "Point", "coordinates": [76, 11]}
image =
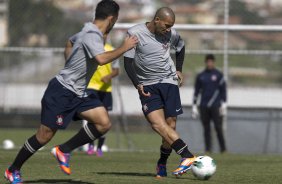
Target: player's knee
{"type": "Point", "coordinates": [158, 127]}
{"type": "Point", "coordinates": [171, 122]}
{"type": "Point", "coordinates": [108, 125]}
{"type": "Point", "coordinates": [104, 126]}
{"type": "Point", "coordinates": [44, 135]}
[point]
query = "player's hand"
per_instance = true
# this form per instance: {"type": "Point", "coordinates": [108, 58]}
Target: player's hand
{"type": "Point", "coordinates": [195, 112]}
{"type": "Point", "coordinates": [130, 42]}
{"type": "Point", "coordinates": [141, 91]}
{"type": "Point", "coordinates": [223, 109]}
{"type": "Point", "coordinates": [106, 79]}
{"type": "Point", "coordinates": [180, 78]}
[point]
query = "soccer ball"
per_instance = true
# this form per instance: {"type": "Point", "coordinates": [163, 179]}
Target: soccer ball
{"type": "Point", "coordinates": [8, 144]}
{"type": "Point", "coordinates": [203, 167]}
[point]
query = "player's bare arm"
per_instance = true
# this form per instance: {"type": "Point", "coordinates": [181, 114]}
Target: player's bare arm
{"type": "Point", "coordinates": [109, 56]}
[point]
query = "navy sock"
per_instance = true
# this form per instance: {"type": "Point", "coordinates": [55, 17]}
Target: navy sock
{"type": "Point", "coordinates": [165, 153]}
{"type": "Point", "coordinates": [181, 149]}
{"type": "Point", "coordinates": [86, 134]}
{"type": "Point", "coordinates": [101, 141]}
{"type": "Point", "coordinates": [30, 147]}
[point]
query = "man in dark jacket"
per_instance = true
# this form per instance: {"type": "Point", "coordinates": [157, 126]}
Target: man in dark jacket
{"type": "Point", "coordinates": [211, 86]}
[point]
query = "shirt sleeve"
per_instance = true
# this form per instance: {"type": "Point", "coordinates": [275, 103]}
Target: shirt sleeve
{"type": "Point", "coordinates": [222, 89]}
{"type": "Point", "coordinates": [197, 89]}
{"type": "Point", "coordinates": [130, 53]}
{"type": "Point", "coordinates": [93, 44]}
{"type": "Point", "coordinates": [73, 38]}
{"type": "Point", "coordinates": [176, 41]}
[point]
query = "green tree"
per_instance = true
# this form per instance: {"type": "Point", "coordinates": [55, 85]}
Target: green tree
{"type": "Point", "coordinates": [240, 9]}
{"type": "Point", "coordinates": [39, 17]}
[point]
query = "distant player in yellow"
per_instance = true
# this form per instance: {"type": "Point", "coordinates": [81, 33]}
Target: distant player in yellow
{"type": "Point", "coordinates": [101, 85]}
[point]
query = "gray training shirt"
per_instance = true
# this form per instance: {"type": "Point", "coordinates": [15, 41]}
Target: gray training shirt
{"type": "Point", "coordinates": [81, 63]}
{"type": "Point", "coordinates": [152, 60]}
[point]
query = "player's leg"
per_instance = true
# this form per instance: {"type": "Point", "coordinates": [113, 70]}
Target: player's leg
{"type": "Point", "coordinates": [165, 151]}
{"type": "Point", "coordinates": [218, 121]}
{"type": "Point", "coordinates": [159, 124]}
{"type": "Point", "coordinates": [101, 141]}
{"type": "Point", "coordinates": [50, 123]}
{"type": "Point", "coordinates": [98, 124]}
{"type": "Point", "coordinates": [107, 100]}
{"type": "Point", "coordinates": [90, 149]}
{"type": "Point", "coordinates": [165, 148]}
{"type": "Point", "coordinates": [205, 119]}
{"type": "Point", "coordinates": [43, 135]}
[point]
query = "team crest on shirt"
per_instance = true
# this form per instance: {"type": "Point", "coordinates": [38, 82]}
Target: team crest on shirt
{"type": "Point", "coordinates": [213, 77]}
{"type": "Point", "coordinates": [60, 120]}
{"type": "Point", "coordinates": [165, 46]}
{"type": "Point", "coordinates": [145, 108]}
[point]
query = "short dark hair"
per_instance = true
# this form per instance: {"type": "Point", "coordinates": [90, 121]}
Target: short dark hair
{"type": "Point", "coordinates": [106, 8]}
{"type": "Point", "coordinates": [210, 57]}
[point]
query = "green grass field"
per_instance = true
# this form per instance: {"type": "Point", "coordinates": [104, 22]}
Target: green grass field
{"type": "Point", "coordinates": [135, 167]}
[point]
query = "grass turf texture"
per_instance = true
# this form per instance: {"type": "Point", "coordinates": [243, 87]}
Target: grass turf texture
{"type": "Point", "coordinates": [135, 167]}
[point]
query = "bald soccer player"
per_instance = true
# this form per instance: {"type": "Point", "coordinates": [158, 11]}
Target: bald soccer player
{"type": "Point", "coordinates": [66, 97]}
{"type": "Point", "coordinates": [153, 73]}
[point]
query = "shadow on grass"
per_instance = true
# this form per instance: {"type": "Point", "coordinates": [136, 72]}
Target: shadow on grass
{"type": "Point", "coordinates": [62, 181]}
{"type": "Point", "coordinates": [143, 174]}
{"type": "Point", "coordinates": [126, 174]}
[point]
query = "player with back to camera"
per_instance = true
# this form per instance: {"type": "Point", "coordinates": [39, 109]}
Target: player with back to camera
{"type": "Point", "coordinates": [211, 86]}
{"type": "Point", "coordinates": [100, 85]}
{"type": "Point", "coordinates": [66, 98]}
{"type": "Point", "coordinates": [153, 73]}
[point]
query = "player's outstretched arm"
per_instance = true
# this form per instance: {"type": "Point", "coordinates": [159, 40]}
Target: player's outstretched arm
{"type": "Point", "coordinates": [109, 56]}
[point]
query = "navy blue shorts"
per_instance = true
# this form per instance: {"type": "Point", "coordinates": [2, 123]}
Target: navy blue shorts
{"type": "Point", "coordinates": [105, 97]}
{"type": "Point", "coordinates": [163, 96]}
{"type": "Point", "coordinates": [60, 105]}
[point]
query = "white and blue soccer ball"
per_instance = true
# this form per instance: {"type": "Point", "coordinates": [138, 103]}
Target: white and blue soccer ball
{"type": "Point", "coordinates": [203, 167]}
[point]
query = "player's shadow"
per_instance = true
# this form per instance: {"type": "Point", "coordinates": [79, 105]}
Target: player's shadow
{"type": "Point", "coordinates": [139, 174]}
{"type": "Point", "coordinates": [61, 181]}
{"type": "Point", "coordinates": [125, 173]}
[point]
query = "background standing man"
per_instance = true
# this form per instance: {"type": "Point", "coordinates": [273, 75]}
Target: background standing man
{"type": "Point", "coordinates": [211, 86]}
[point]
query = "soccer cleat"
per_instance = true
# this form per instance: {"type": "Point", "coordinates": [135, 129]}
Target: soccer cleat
{"type": "Point", "coordinates": [90, 150]}
{"type": "Point", "coordinates": [13, 177]}
{"type": "Point", "coordinates": [99, 152]}
{"type": "Point", "coordinates": [161, 171]}
{"type": "Point", "coordinates": [63, 159]}
{"type": "Point", "coordinates": [184, 166]}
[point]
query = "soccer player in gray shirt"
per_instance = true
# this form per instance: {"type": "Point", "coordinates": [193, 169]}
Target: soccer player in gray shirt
{"type": "Point", "coordinates": [153, 73]}
{"type": "Point", "coordinates": [66, 97]}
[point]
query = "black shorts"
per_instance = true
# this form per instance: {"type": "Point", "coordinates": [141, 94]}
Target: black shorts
{"type": "Point", "coordinates": [163, 96]}
{"type": "Point", "coordinates": [60, 105]}
{"type": "Point", "coordinates": [105, 97]}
